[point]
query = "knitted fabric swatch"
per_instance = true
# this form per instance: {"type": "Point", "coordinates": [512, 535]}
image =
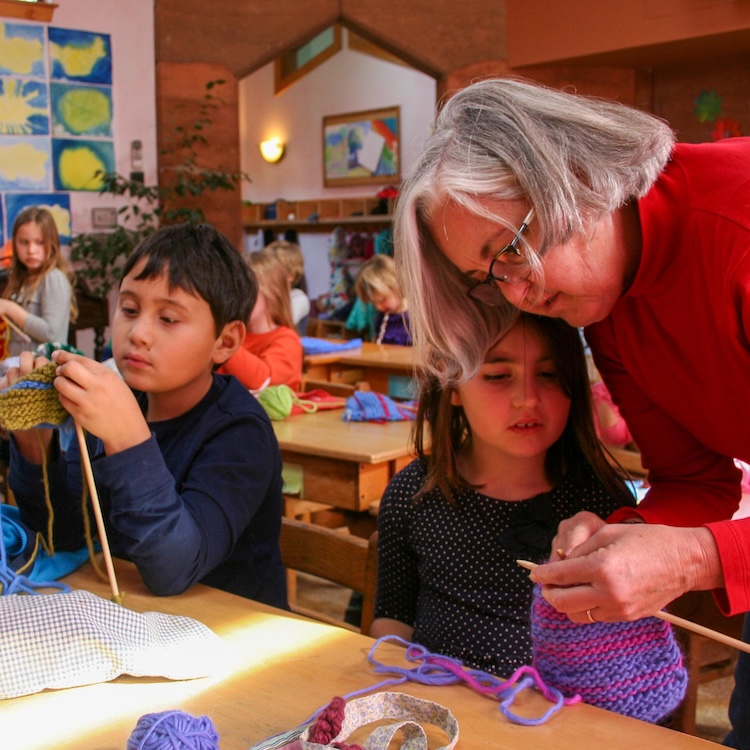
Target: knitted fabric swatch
{"type": "Point", "coordinates": [631, 668]}
{"type": "Point", "coordinates": [368, 406]}
{"type": "Point", "coordinates": [32, 401]}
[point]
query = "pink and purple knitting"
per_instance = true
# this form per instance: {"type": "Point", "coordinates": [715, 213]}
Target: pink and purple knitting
{"type": "Point", "coordinates": [633, 668]}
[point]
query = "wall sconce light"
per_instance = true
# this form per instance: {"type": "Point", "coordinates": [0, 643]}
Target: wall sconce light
{"type": "Point", "coordinates": [272, 149]}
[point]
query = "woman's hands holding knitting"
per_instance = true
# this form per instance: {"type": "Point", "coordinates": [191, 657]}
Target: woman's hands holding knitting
{"type": "Point", "coordinates": [100, 401]}
{"type": "Point", "coordinates": [625, 571]}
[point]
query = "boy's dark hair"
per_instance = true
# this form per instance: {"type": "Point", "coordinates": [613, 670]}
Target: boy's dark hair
{"type": "Point", "coordinates": [448, 429]}
{"type": "Point", "coordinates": [203, 262]}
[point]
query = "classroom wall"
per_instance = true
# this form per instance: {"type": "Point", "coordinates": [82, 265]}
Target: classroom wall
{"type": "Point", "coordinates": [349, 82]}
{"type": "Point", "coordinates": [131, 27]}
{"type": "Point", "coordinates": [637, 31]}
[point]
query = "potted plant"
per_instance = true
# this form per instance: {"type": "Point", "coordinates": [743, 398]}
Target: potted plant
{"type": "Point", "coordinates": [99, 256]}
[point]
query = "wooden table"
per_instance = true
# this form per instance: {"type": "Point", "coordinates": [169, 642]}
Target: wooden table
{"type": "Point", "coordinates": [345, 464]}
{"type": "Point", "coordinates": [374, 363]}
{"type": "Point", "coordinates": [283, 669]}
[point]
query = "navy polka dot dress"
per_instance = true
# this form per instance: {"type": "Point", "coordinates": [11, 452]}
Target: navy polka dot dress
{"type": "Point", "coordinates": [449, 570]}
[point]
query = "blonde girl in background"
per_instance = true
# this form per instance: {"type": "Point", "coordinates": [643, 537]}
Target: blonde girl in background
{"type": "Point", "coordinates": [272, 351]}
{"type": "Point", "coordinates": [290, 255]}
{"type": "Point", "coordinates": [377, 283]}
{"type": "Point", "coordinates": [38, 300]}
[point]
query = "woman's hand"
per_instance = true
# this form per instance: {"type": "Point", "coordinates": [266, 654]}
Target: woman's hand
{"type": "Point", "coordinates": [100, 401]}
{"type": "Point", "coordinates": [627, 571]}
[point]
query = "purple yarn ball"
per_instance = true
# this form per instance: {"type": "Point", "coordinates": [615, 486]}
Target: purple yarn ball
{"type": "Point", "coordinates": [173, 730]}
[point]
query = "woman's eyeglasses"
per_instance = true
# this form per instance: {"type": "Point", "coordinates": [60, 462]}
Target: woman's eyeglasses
{"type": "Point", "coordinates": [507, 267]}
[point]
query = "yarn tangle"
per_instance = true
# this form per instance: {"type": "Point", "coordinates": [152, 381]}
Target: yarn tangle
{"type": "Point", "coordinates": [173, 730]}
{"type": "Point", "coordinates": [434, 669]}
{"type": "Point", "coordinates": [632, 668]}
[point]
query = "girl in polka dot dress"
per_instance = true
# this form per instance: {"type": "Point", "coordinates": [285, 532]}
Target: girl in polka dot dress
{"type": "Point", "coordinates": [513, 452]}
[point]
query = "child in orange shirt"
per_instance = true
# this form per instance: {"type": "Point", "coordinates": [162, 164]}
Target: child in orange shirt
{"type": "Point", "coordinates": [272, 351]}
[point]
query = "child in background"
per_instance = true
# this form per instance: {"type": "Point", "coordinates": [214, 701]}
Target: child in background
{"type": "Point", "coordinates": [377, 283]}
{"type": "Point", "coordinates": [38, 298]}
{"type": "Point", "coordinates": [186, 463]}
{"type": "Point", "coordinates": [513, 452]}
{"type": "Point", "coordinates": [272, 351]}
{"type": "Point", "coordinates": [290, 255]}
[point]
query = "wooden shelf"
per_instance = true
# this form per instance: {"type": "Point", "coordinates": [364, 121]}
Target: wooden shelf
{"type": "Point", "coordinates": [329, 213]}
{"type": "Point", "coordinates": [28, 11]}
{"type": "Point", "coordinates": [323, 225]}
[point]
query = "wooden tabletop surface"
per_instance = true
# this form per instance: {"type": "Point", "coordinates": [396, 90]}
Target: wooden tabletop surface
{"type": "Point", "coordinates": [375, 355]}
{"type": "Point", "coordinates": [328, 435]}
{"type": "Point", "coordinates": [387, 356]}
{"type": "Point", "coordinates": [283, 668]}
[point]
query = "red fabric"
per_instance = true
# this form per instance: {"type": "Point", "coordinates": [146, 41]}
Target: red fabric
{"type": "Point", "coordinates": [322, 399]}
{"type": "Point", "coordinates": [276, 355]}
{"type": "Point", "coordinates": [675, 350]}
{"type": "Point", "coordinates": [616, 434]}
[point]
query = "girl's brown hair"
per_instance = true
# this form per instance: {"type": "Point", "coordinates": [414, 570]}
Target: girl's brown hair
{"type": "Point", "coordinates": [444, 427]}
{"type": "Point", "coordinates": [21, 283]}
{"type": "Point", "coordinates": [273, 284]}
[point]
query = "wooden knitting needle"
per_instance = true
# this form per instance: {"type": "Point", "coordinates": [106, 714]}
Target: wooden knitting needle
{"type": "Point", "coordinates": [86, 459]}
{"type": "Point", "coordinates": [12, 325]}
{"type": "Point", "coordinates": [680, 622]}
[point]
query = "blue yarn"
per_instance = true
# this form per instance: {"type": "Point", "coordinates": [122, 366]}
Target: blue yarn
{"type": "Point", "coordinates": [173, 730]}
{"type": "Point", "coordinates": [10, 581]}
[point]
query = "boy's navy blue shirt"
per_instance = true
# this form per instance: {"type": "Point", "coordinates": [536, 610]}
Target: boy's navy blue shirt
{"type": "Point", "coordinates": [200, 501]}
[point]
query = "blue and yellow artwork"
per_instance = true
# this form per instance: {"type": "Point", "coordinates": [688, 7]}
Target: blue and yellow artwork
{"type": "Point", "coordinates": [80, 110]}
{"type": "Point", "coordinates": [82, 56]}
{"type": "Point", "coordinates": [22, 50]}
{"type": "Point", "coordinates": [58, 204]}
{"type": "Point", "coordinates": [25, 163]}
{"type": "Point", "coordinates": [77, 162]}
{"type": "Point", "coordinates": [24, 107]}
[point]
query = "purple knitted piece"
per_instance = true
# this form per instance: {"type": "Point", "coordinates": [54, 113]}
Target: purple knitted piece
{"type": "Point", "coordinates": [631, 668]}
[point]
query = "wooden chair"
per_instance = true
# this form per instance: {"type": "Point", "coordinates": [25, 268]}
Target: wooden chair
{"type": "Point", "coordinates": [335, 556]}
{"type": "Point", "coordinates": [705, 659]}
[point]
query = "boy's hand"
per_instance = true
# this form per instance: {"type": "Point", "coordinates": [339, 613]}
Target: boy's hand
{"type": "Point", "coordinates": [100, 401]}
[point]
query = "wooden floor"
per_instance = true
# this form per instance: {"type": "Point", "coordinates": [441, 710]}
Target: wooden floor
{"type": "Point", "coordinates": [713, 697]}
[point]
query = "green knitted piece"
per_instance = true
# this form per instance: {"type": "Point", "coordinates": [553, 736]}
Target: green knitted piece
{"type": "Point", "coordinates": [32, 401]}
{"type": "Point", "coordinates": [278, 400]}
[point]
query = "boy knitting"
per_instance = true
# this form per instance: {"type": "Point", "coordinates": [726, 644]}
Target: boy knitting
{"type": "Point", "coordinates": [186, 462]}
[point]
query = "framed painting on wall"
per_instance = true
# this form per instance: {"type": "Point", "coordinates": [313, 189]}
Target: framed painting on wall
{"type": "Point", "coordinates": [362, 148]}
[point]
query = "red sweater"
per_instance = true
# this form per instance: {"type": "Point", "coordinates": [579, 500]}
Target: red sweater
{"type": "Point", "coordinates": [675, 350]}
{"type": "Point", "coordinates": [273, 358]}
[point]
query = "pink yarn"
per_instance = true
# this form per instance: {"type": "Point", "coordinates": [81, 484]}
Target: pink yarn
{"type": "Point", "coordinates": [328, 725]}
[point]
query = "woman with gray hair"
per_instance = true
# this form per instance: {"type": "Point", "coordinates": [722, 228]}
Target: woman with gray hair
{"type": "Point", "coordinates": [586, 210]}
